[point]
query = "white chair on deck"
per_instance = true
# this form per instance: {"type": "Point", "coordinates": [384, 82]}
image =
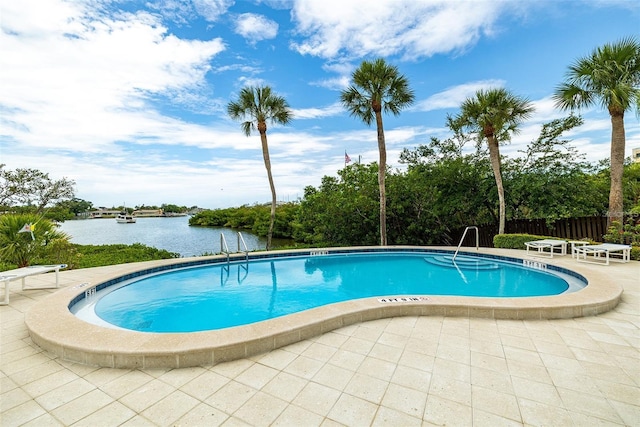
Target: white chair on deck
{"type": "Point", "coordinates": [541, 247]}
{"type": "Point", "coordinates": [21, 273]}
{"type": "Point", "coordinates": [603, 253]}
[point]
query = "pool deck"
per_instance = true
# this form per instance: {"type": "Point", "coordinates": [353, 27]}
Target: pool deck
{"type": "Point", "coordinates": [411, 370]}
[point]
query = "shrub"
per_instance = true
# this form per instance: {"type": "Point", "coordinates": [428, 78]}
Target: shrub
{"type": "Point", "coordinates": [24, 248]}
{"type": "Point", "coordinates": [515, 241]}
{"type": "Point", "coordinates": [627, 234]}
{"type": "Point", "coordinates": [100, 255]}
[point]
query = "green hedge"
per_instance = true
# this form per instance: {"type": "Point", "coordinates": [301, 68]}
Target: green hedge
{"type": "Point", "coordinates": [515, 241]}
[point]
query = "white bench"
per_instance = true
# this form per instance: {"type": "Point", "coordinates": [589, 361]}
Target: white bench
{"type": "Point", "coordinates": [603, 253]}
{"type": "Point", "coordinates": [551, 244]}
{"type": "Point", "coordinates": [21, 273]}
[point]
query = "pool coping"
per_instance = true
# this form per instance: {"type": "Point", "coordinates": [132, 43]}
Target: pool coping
{"type": "Point", "coordinates": [54, 328]}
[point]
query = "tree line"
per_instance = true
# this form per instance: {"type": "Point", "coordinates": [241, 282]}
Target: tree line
{"type": "Point", "coordinates": [31, 191]}
{"type": "Point", "coordinates": [609, 77]}
{"type": "Point", "coordinates": [439, 190]}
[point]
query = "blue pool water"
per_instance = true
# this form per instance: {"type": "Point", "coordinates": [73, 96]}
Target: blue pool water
{"type": "Point", "coordinates": [218, 296]}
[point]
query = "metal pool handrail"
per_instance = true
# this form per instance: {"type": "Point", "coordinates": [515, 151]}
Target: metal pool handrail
{"type": "Point", "coordinates": [224, 248]}
{"type": "Point", "coordinates": [244, 245]}
{"type": "Point", "coordinates": [463, 236]}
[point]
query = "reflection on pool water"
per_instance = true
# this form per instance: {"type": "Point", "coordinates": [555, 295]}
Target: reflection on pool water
{"type": "Point", "coordinates": [224, 295]}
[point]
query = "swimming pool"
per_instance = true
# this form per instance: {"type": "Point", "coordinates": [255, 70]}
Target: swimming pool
{"type": "Point", "coordinates": [54, 328]}
{"type": "Point", "coordinates": [224, 295]}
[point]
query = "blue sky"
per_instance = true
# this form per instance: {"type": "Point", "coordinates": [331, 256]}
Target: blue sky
{"type": "Point", "coordinates": [128, 98]}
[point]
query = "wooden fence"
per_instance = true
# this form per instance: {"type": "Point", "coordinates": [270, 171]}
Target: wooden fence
{"type": "Point", "coordinates": [571, 229]}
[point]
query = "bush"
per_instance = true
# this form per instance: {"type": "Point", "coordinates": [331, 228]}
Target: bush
{"type": "Point", "coordinates": [26, 248]}
{"type": "Point", "coordinates": [515, 241]}
{"type": "Point", "coordinates": [629, 234]}
{"type": "Point", "coordinates": [101, 255]}
{"type": "Point", "coordinates": [615, 235]}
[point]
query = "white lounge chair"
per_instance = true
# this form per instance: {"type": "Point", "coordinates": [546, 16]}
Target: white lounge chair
{"type": "Point", "coordinates": [603, 253]}
{"type": "Point", "coordinates": [21, 273]}
{"type": "Point", "coordinates": [551, 244]}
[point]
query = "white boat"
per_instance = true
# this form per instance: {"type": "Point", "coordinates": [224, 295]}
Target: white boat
{"type": "Point", "coordinates": [125, 218]}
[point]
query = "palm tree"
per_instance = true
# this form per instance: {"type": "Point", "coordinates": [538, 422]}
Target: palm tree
{"type": "Point", "coordinates": [377, 87]}
{"type": "Point", "coordinates": [21, 248]}
{"type": "Point", "coordinates": [610, 77]}
{"type": "Point", "coordinates": [254, 107]}
{"type": "Point", "coordinates": [494, 114]}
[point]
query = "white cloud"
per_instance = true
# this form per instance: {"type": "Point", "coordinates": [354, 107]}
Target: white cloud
{"type": "Point", "coordinates": [76, 80]}
{"type": "Point", "coordinates": [454, 96]}
{"type": "Point", "coordinates": [255, 27]}
{"type": "Point", "coordinates": [314, 113]}
{"type": "Point", "coordinates": [211, 10]}
{"type": "Point", "coordinates": [244, 81]}
{"type": "Point", "coordinates": [415, 29]}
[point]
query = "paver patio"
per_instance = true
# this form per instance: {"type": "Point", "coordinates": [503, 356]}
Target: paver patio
{"type": "Point", "coordinates": [404, 371]}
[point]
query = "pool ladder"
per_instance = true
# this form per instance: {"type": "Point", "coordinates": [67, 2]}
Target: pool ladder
{"type": "Point", "coordinates": [462, 240]}
{"type": "Point", "coordinates": [224, 248]}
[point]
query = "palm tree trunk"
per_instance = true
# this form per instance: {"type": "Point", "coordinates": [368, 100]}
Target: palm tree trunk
{"type": "Point", "coordinates": [267, 165]}
{"type": "Point", "coordinates": [382, 170]}
{"type": "Point", "coordinates": [494, 155]}
{"type": "Point", "coordinates": [616, 201]}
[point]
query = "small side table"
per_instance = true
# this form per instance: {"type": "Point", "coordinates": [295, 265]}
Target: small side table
{"type": "Point", "coordinates": [575, 244]}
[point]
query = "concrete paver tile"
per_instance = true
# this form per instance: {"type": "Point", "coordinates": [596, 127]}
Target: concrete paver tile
{"type": "Point", "coordinates": [205, 385]}
{"type": "Point", "coordinates": [387, 417]}
{"type": "Point", "coordinates": [412, 378]}
{"type": "Point", "coordinates": [588, 404]}
{"type": "Point", "coordinates": [448, 388]}
{"type": "Point", "coordinates": [406, 400]}
{"type": "Point", "coordinates": [113, 414]}
{"type": "Point", "coordinates": [285, 386]}
{"type": "Point", "coordinates": [504, 405]}
{"type": "Point", "coordinates": [317, 398]}
{"type": "Point", "coordinates": [367, 387]}
{"type": "Point", "coordinates": [81, 407]}
{"type": "Point", "coordinates": [276, 359]}
{"type": "Point", "coordinates": [44, 420]}
{"type": "Point", "coordinates": [125, 384]}
{"type": "Point", "coordinates": [319, 351]}
{"type": "Point", "coordinates": [439, 411]}
{"type": "Point", "coordinates": [65, 393]}
{"type": "Point", "coordinates": [541, 414]}
{"type": "Point", "coordinates": [297, 416]}
{"type": "Point", "coordinates": [261, 409]}
{"type": "Point", "coordinates": [257, 376]}
{"type": "Point", "coordinates": [202, 415]}
{"type": "Point", "coordinates": [146, 395]}
{"type": "Point", "coordinates": [230, 397]}
{"type": "Point", "coordinates": [487, 419]}
{"type": "Point", "coordinates": [167, 410]}
{"type": "Point", "coordinates": [350, 411]}
{"type": "Point", "coordinates": [13, 398]}
{"type": "Point", "coordinates": [179, 377]}
{"type": "Point", "coordinates": [333, 376]}
{"type": "Point", "coordinates": [21, 414]}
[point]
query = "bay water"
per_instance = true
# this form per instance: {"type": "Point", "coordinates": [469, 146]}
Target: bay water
{"type": "Point", "coordinates": [171, 233]}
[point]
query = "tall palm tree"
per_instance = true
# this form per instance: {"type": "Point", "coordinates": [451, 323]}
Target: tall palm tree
{"type": "Point", "coordinates": [255, 107]}
{"type": "Point", "coordinates": [610, 77]}
{"type": "Point", "coordinates": [494, 114]}
{"type": "Point", "coordinates": [377, 87]}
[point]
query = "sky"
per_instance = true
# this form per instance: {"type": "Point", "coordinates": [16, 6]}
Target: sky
{"type": "Point", "coordinates": [128, 98]}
